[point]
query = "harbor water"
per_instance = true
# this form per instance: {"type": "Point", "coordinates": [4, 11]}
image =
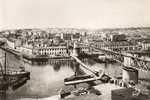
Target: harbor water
{"type": "Point", "coordinates": [47, 78]}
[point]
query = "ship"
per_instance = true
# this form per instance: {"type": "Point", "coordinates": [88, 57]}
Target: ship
{"type": "Point", "coordinates": [12, 77]}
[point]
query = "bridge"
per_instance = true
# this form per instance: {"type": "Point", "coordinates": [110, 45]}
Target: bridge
{"type": "Point", "coordinates": [97, 75]}
{"type": "Point", "coordinates": [126, 59]}
{"type": "Point", "coordinates": [130, 62]}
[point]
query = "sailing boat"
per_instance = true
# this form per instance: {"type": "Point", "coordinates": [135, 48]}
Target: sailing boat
{"type": "Point", "coordinates": [11, 77]}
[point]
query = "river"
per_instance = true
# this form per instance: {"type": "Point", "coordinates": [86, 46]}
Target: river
{"type": "Point", "coordinates": [47, 79]}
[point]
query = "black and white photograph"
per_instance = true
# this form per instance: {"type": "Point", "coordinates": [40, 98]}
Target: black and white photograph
{"type": "Point", "coordinates": [74, 49]}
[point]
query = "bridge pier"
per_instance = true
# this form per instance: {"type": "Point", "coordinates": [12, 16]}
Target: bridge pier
{"type": "Point", "coordinates": [76, 50]}
{"type": "Point", "coordinates": [129, 73]}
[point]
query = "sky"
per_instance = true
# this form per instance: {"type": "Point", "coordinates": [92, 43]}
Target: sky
{"type": "Point", "coordinates": [74, 13]}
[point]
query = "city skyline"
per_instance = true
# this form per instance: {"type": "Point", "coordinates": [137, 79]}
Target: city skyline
{"type": "Point", "coordinates": [74, 14]}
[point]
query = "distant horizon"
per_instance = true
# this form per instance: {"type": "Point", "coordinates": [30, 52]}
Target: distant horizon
{"type": "Point", "coordinates": [76, 27]}
{"type": "Point", "coordinates": [147, 27]}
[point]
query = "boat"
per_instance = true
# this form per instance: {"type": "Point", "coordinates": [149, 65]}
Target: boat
{"type": "Point", "coordinates": [78, 77]}
{"type": "Point", "coordinates": [9, 77]}
{"type": "Point", "coordinates": [19, 83]}
{"type": "Point", "coordinates": [16, 73]}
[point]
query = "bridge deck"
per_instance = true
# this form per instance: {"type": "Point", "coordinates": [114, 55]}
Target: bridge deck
{"type": "Point", "coordinates": [82, 81]}
{"type": "Point", "coordinates": [85, 80]}
{"type": "Point", "coordinates": [121, 54]}
{"type": "Point", "coordinates": [83, 65]}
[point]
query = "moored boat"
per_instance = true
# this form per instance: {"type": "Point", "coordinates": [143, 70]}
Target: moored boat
{"type": "Point", "coordinates": [17, 74]}
{"type": "Point", "coordinates": [9, 77]}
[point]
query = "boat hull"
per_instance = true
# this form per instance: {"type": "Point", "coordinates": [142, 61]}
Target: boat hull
{"type": "Point", "coordinates": [14, 80]}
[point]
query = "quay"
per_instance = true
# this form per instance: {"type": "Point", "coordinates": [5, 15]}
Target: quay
{"type": "Point", "coordinates": [30, 58]}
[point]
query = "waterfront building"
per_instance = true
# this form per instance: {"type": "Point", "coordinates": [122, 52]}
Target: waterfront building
{"type": "Point", "coordinates": [52, 51]}
{"type": "Point", "coordinates": [117, 46]}
{"type": "Point", "coordinates": [145, 44]}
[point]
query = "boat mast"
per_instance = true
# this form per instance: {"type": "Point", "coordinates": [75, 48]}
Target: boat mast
{"type": "Point", "coordinates": [1, 69]}
{"type": "Point", "coordinates": [5, 66]}
{"type": "Point", "coordinates": [21, 60]}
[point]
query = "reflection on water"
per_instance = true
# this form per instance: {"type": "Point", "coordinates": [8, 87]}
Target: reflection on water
{"type": "Point", "coordinates": [47, 77]}
{"type": "Point", "coordinates": [10, 89]}
{"type": "Point", "coordinates": [3, 95]}
{"type": "Point", "coordinates": [57, 67]}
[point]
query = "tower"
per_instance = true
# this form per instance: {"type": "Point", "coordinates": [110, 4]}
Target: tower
{"type": "Point", "coordinates": [129, 73]}
{"type": "Point", "coordinates": [76, 49]}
